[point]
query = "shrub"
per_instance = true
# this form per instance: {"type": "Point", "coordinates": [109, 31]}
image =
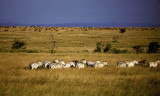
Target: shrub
{"type": "Point", "coordinates": [107, 48]}
{"type": "Point", "coordinates": [117, 51]}
{"type": "Point", "coordinates": [32, 51]}
{"type": "Point", "coordinates": [114, 50]}
{"type": "Point", "coordinates": [153, 47]}
{"type": "Point", "coordinates": [99, 47]}
{"type": "Point", "coordinates": [138, 49]}
{"type": "Point", "coordinates": [122, 30]}
{"type": "Point", "coordinates": [18, 44]}
{"type": "Point", "coordinates": [124, 51]}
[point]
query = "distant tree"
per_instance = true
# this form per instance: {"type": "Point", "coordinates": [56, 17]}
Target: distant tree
{"type": "Point", "coordinates": [53, 47]}
{"type": "Point", "coordinates": [153, 47]}
{"type": "Point", "coordinates": [122, 30]}
{"type": "Point", "coordinates": [53, 43]}
{"type": "Point", "coordinates": [18, 44]}
{"type": "Point", "coordinates": [99, 47]}
{"type": "Point", "coordinates": [107, 48]}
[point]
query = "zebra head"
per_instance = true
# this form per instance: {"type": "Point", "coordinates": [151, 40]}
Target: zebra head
{"type": "Point", "coordinates": [157, 61]}
{"type": "Point", "coordinates": [135, 62]}
{"type": "Point", "coordinates": [98, 62]}
{"type": "Point", "coordinates": [39, 62]}
{"type": "Point", "coordinates": [56, 61]}
{"type": "Point", "coordinates": [83, 61]}
{"type": "Point", "coordinates": [105, 63]}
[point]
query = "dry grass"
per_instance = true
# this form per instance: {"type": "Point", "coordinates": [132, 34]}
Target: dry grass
{"type": "Point", "coordinates": [77, 40]}
{"type": "Point", "coordinates": [17, 79]}
{"type": "Point", "coordinates": [75, 44]}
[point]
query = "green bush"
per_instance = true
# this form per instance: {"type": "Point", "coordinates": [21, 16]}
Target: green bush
{"type": "Point", "coordinates": [18, 44]}
{"type": "Point", "coordinates": [117, 51]}
{"type": "Point", "coordinates": [99, 47]}
{"type": "Point", "coordinates": [32, 51]}
{"type": "Point", "coordinates": [124, 51]}
{"type": "Point", "coordinates": [114, 50]}
{"type": "Point", "coordinates": [138, 49]}
{"type": "Point", "coordinates": [122, 30]}
{"type": "Point", "coordinates": [107, 48]}
{"type": "Point", "coordinates": [153, 47]}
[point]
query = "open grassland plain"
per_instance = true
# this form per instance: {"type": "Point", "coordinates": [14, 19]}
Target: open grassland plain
{"type": "Point", "coordinates": [76, 39]}
{"type": "Point", "coordinates": [16, 79]}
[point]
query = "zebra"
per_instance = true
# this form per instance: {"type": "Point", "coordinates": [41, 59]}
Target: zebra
{"type": "Point", "coordinates": [90, 64]}
{"type": "Point", "coordinates": [81, 64]}
{"type": "Point", "coordinates": [100, 65]}
{"type": "Point", "coordinates": [132, 63]}
{"type": "Point", "coordinates": [122, 64]}
{"type": "Point", "coordinates": [33, 65]}
{"type": "Point", "coordinates": [69, 64]}
{"type": "Point", "coordinates": [153, 64]}
{"type": "Point", "coordinates": [46, 64]}
{"type": "Point", "coordinates": [56, 61]}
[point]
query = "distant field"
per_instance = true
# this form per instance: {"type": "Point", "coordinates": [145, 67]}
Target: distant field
{"type": "Point", "coordinates": [75, 44]}
{"type": "Point", "coordinates": [76, 39]}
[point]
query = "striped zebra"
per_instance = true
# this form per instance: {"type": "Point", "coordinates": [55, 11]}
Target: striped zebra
{"type": "Point", "coordinates": [33, 65]}
{"type": "Point", "coordinates": [154, 64]}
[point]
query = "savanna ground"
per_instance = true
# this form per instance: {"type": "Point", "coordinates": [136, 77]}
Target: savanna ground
{"type": "Point", "coordinates": [75, 44]}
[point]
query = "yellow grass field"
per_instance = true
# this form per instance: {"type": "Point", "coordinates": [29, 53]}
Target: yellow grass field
{"type": "Point", "coordinates": [16, 79]}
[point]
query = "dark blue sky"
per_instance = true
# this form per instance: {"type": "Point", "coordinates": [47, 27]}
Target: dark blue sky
{"type": "Point", "coordinates": [80, 11]}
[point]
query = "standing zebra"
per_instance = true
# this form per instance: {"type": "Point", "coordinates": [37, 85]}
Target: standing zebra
{"type": "Point", "coordinates": [46, 64]}
{"type": "Point", "coordinates": [154, 64]}
{"type": "Point", "coordinates": [121, 64]}
{"type": "Point", "coordinates": [81, 64]}
{"type": "Point", "coordinates": [132, 63]}
{"type": "Point", "coordinates": [33, 65]}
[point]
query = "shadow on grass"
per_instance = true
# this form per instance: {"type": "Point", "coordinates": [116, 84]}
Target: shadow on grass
{"type": "Point", "coordinates": [28, 68]}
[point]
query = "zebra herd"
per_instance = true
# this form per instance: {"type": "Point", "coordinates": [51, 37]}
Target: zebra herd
{"type": "Point", "coordinates": [56, 64]}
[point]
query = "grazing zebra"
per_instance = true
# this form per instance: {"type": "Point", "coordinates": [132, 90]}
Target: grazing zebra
{"type": "Point", "coordinates": [105, 63]}
{"type": "Point", "coordinates": [132, 63]}
{"type": "Point", "coordinates": [100, 65]}
{"type": "Point", "coordinates": [121, 64]}
{"type": "Point", "coordinates": [90, 64]}
{"type": "Point", "coordinates": [69, 64]}
{"type": "Point", "coordinates": [154, 64]}
{"type": "Point", "coordinates": [83, 61]}
{"type": "Point", "coordinates": [75, 62]}
{"type": "Point", "coordinates": [72, 64]}
{"type": "Point", "coordinates": [55, 66]}
{"type": "Point", "coordinates": [61, 62]}
{"type": "Point", "coordinates": [35, 65]}
{"type": "Point", "coordinates": [46, 64]}
{"type": "Point", "coordinates": [98, 62]}
{"type": "Point", "coordinates": [56, 61]}
{"type": "Point", "coordinates": [51, 65]}
{"type": "Point", "coordinates": [135, 62]}
{"type": "Point", "coordinates": [81, 64]}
